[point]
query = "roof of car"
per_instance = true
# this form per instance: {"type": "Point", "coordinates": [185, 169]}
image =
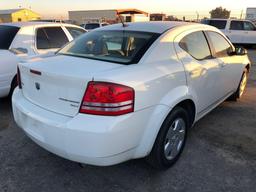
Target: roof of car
{"type": "Point", "coordinates": [152, 26]}
{"type": "Point", "coordinates": [27, 24]}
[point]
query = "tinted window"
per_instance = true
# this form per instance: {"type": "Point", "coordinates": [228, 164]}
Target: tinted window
{"type": "Point", "coordinates": [220, 24]}
{"type": "Point", "coordinates": [248, 26]}
{"type": "Point", "coordinates": [7, 34]}
{"type": "Point", "coordinates": [237, 25]}
{"type": "Point", "coordinates": [114, 46]}
{"type": "Point", "coordinates": [50, 38]}
{"type": "Point", "coordinates": [220, 44]}
{"type": "Point", "coordinates": [90, 26]}
{"type": "Point", "coordinates": [196, 45]}
{"type": "Point", "coordinates": [75, 32]}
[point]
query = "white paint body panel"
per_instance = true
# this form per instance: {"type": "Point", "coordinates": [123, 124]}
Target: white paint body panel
{"type": "Point", "coordinates": [160, 80]}
{"type": "Point", "coordinates": [25, 38]}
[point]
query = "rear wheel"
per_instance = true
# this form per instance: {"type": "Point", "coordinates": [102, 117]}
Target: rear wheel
{"type": "Point", "coordinates": [171, 139]}
{"type": "Point", "coordinates": [241, 88]}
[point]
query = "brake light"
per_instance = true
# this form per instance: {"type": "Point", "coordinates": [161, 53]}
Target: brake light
{"type": "Point", "coordinates": [110, 99]}
{"type": "Point", "coordinates": [18, 78]}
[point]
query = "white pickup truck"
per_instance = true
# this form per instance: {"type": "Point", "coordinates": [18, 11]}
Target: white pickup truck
{"type": "Point", "coordinates": [238, 31]}
{"type": "Point", "coordinates": [19, 41]}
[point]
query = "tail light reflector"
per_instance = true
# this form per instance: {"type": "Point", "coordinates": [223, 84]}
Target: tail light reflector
{"type": "Point", "coordinates": [110, 99]}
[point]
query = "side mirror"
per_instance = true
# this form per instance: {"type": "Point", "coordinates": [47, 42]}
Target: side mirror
{"type": "Point", "coordinates": [19, 51]}
{"type": "Point", "coordinates": [240, 51]}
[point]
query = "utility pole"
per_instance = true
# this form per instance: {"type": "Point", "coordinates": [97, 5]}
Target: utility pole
{"type": "Point", "coordinates": [242, 12]}
{"type": "Point", "coordinates": [197, 16]}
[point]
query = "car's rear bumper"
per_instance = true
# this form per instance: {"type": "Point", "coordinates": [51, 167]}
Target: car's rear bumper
{"type": "Point", "coordinates": [96, 140]}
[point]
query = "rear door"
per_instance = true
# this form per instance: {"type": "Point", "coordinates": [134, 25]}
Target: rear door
{"type": "Point", "coordinates": [250, 33]}
{"type": "Point", "coordinates": [50, 39]}
{"type": "Point", "coordinates": [236, 32]}
{"type": "Point", "coordinates": [202, 70]}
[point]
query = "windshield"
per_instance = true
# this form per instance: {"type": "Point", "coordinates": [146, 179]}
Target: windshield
{"type": "Point", "coordinates": [7, 34]}
{"type": "Point", "coordinates": [123, 47]}
{"type": "Point", "coordinates": [92, 26]}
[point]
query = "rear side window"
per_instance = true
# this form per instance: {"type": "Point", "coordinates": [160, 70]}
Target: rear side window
{"type": "Point", "coordinates": [196, 45]}
{"type": "Point", "coordinates": [248, 26]}
{"type": "Point", "coordinates": [237, 25]}
{"type": "Point", "coordinates": [220, 24]}
{"type": "Point", "coordinates": [50, 38]}
{"type": "Point", "coordinates": [7, 34]}
{"type": "Point", "coordinates": [75, 32]}
{"type": "Point", "coordinates": [220, 44]}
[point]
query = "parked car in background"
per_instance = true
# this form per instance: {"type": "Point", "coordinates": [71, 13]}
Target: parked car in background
{"type": "Point", "coordinates": [94, 25]}
{"type": "Point", "coordinates": [117, 93]}
{"type": "Point", "coordinates": [238, 31]}
{"type": "Point", "coordinates": [21, 40]}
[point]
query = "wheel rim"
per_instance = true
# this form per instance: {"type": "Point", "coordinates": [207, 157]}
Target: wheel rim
{"type": "Point", "coordinates": [243, 85]}
{"type": "Point", "coordinates": [174, 139]}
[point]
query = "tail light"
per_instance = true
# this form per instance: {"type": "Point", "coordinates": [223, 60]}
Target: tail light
{"type": "Point", "coordinates": [18, 78]}
{"type": "Point", "coordinates": [102, 98]}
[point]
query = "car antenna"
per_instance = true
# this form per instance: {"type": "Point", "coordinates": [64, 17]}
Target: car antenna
{"type": "Point", "coordinates": [121, 19]}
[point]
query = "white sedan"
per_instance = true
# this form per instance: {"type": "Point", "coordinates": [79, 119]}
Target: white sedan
{"type": "Point", "coordinates": [19, 41]}
{"type": "Point", "coordinates": [121, 93]}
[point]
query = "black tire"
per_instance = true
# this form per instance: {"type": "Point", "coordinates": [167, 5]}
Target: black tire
{"type": "Point", "coordinates": [238, 94]}
{"type": "Point", "coordinates": [13, 86]}
{"type": "Point", "coordinates": [157, 158]}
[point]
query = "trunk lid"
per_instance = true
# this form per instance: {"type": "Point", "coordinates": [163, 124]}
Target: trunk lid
{"type": "Point", "coordinates": [58, 83]}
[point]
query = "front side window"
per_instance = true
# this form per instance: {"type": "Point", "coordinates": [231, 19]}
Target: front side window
{"type": "Point", "coordinates": [196, 45]}
{"type": "Point", "coordinates": [123, 47]}
{"type": "Point", "coordinates": [7, 34]}
{"type": "Point", "coordinates": [50, 38]}
{"type": "Point", "coordinates": [237, 25]}
{"type": "Point", "coordinates": [248, 26]}
{"type": "Point", "coordinates": [220, 44]}
{"type": "Point", "coordinates": [75, 32]}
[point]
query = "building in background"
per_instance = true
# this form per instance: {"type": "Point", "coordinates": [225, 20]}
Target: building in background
{"type": "Point", "coordinates": [157, 17]}
{"type": "Point", "coordinates": [251, 14]}
{"type": "Point", "coordinates": [18, 15]}
{"type": "Point", "coordinates": [109, 16]}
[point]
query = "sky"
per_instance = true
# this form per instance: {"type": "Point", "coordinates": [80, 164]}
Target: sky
{"type": "Point", "coordinates": [60, 8]}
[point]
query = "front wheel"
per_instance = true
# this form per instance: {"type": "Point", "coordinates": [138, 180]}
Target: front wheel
{"type": "Point", "coordinates": [171, 139]}
{"type": "Point", "coordinates": [13, 86]}
{"type": "Point", "coordinates": [241, 88]}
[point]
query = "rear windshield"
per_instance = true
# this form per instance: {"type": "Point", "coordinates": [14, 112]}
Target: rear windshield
{"type": "Point", "coordinates": [124, 47]}
{"type": "Point", "coordinates": [92, 26]}
{"type": "Point", "coordinates": [7, 34]}
{"type": "Point", "coordinates": [220, 24]}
